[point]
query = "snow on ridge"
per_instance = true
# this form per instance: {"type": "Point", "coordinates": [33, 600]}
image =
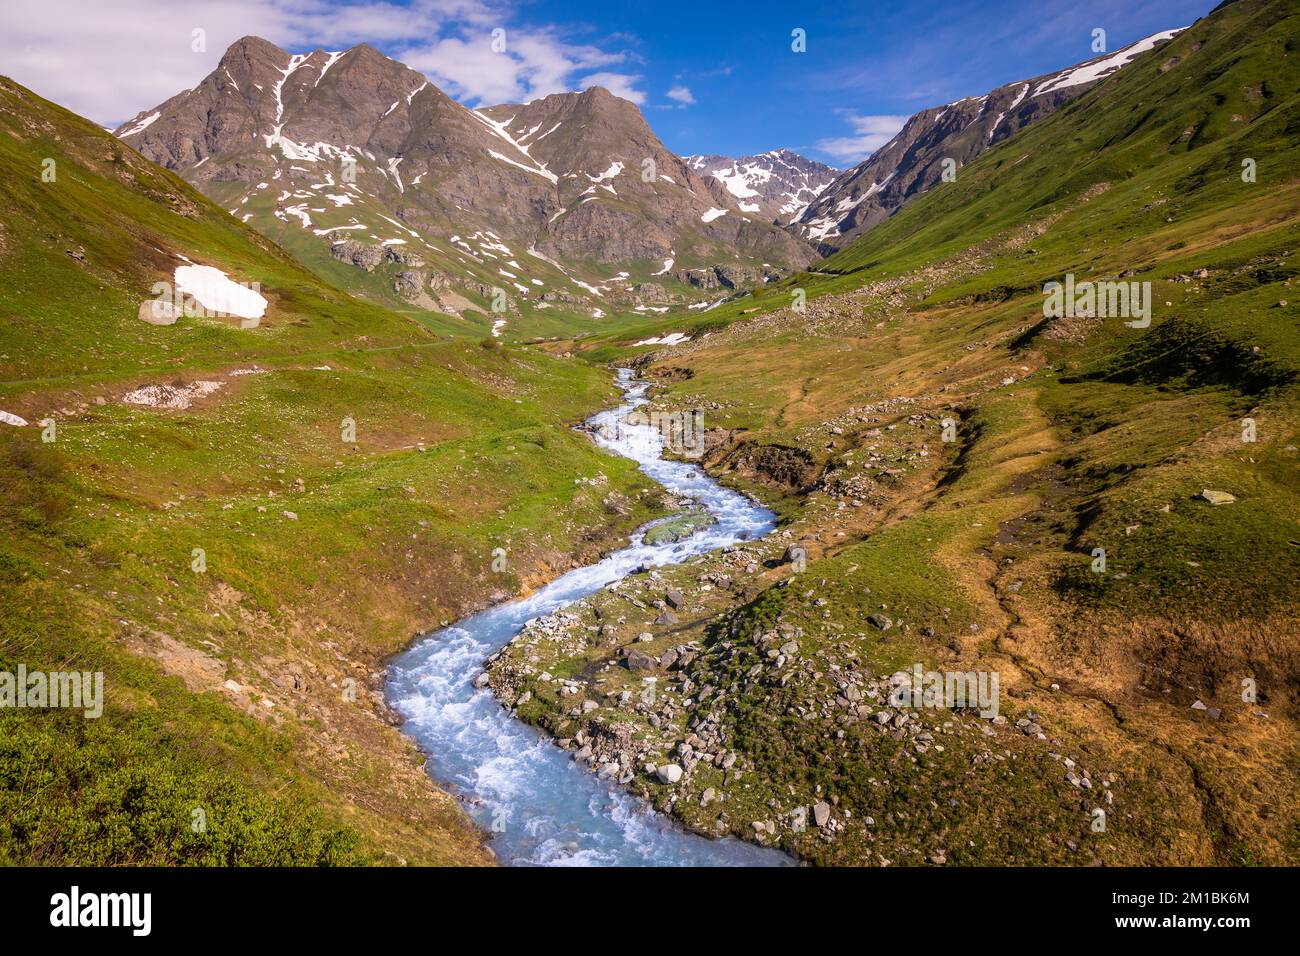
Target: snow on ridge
{"type": "Point", "coordinates": [545, 173]}
{"type": "Point", "coordinates": [544, 135]}
{"type": "Point", "coordinates": [295, 61]}
{"type": "Point", "coordinates": [1102, 68]}
{"type": "Point", "coordinates": [615, 168]}
{"type": "Point", "coordinates": [392, 171]}
{"type": "Point", "coordinates": [326, 232]}
{"type": "Point", "coordinates": [737, 178]}
{"type": "Point", "coordinates": [302, 152]}
{"type": "Point", "coordinates": [407, 229]}
{"type": "Point", "coordinates": [712, 214]}
{"type": "Point", "coordinates": [500, 130]}
{"type": "Point", "coordinates": [333, 58]}
{"type": "Point", "coordinates": [141, 126]}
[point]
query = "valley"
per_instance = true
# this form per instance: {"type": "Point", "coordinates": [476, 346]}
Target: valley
{"type": "Point", "coordinates": [494, 485]}
{"type": "Point", "coordinates": [1131, 731]}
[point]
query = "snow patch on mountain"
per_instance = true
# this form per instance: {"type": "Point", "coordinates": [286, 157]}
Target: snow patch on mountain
{"type": "Point", "coordinates": [1098, 69]}
{"type": "Point", "coordinates": [778, 183]}
{"type": "Point", "coordinates": [215, 291]}
{"type": "Point", "coordinates": [499, 128]}
{"type": "Point", "coordinates": [141, 126]}
{"type": "Point", "coordinates": [672, 338]}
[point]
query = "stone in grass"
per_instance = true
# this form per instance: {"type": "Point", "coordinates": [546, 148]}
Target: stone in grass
{"type": "Point", "coordinates": [674, 599]}
{"type": "Point", "coordinates": [1214, 712]}
{"type": "Point", "coordinates": [1215, 497]}
{"type": "Point", "coordinates": [880, 621]}
{"type": "Point", "coordinates": [822, 813]}
{"type": "Point", "coordinates": [640, 661]}
{"type": "Point", "coordinates": [666, 618]}
{"type": "Point", "coordinates": [669, 773]}
{"type": "Point", "coordinates": [158, 312]}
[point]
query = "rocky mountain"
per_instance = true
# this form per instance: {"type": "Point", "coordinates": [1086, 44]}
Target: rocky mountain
{"type": "Point", "coordinates": [913, 162]}
{"type": "Point", "coordinates": [778, 184]}
{"type": "Point", "coordinates": [375, 177]}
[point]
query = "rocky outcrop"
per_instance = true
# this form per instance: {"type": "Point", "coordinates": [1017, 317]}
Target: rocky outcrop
{"type": "Point", "coordinates": [367, 256]}
{"type": "Point", "coordinates": [728, 276]}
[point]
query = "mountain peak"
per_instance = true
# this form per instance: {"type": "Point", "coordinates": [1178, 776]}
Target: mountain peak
{"type": "Point", "coordinates": [251, 47]}
{"type": "Point", "coordinates": [778, 184]}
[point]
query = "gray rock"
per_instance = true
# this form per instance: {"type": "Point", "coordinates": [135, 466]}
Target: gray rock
{"type": "Point", "coordinates": [640, 661]}
{"type": "Point", "coordinates": [158, 312]}
{"type": "Point", "coordinates": [1215, 497]}
{"type": "Point", "coordinates": [821, 813]}
{"type": "Point", "coordinates": [669, 773]}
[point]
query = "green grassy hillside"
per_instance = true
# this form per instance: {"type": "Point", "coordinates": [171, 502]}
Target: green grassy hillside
{"type": "Point", "coordinates": [236, 568]}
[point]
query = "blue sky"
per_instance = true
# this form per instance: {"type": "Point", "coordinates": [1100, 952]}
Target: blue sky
{"type": "Point", "coordinates": [863, 60]}
{"type": "Point", "coordinates": [715, 77]}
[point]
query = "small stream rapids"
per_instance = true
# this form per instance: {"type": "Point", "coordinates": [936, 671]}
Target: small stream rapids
{"type": "Point", "coordinates": [540, 808]}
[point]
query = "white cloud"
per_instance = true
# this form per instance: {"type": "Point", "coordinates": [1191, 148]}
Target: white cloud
{"type": "Point", "coordinates": [530, 64]}
{"type": "Point", "coordinates": [110, 61]}
{"type": "Point", "coordinates": [869, 134]}
{"type": "Point", "coordinates": [681, 94]}
{"type": "Point", "coordinates": [620, 84]}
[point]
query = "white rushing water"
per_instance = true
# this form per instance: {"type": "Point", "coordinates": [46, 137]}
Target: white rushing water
{"type": "Point", "coordinates": [540, 807]}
